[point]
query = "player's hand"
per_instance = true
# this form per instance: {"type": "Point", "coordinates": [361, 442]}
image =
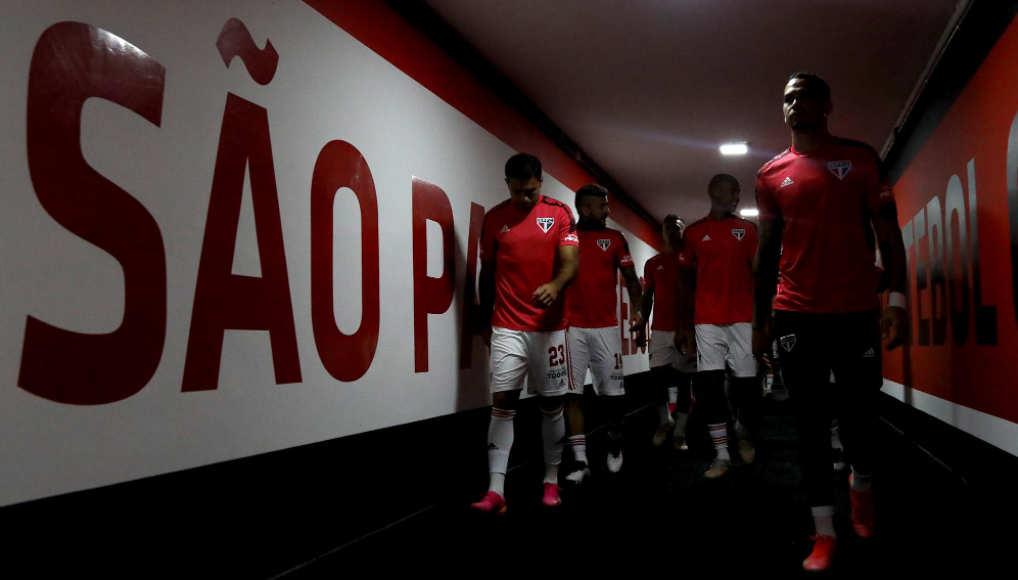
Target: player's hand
{"type": "Point", "coordinates": [685, 342]}
{"type": "Point", "coordinates": [762, 343]}
{"type": "Point", "coordinates": [641, 336]}
{"type": "Point", "coordinates": [894, 326]}
{"type": "Point", "coordinates": [486, 335]}
{"type": "Point", "coordinates": [545, 296]}
{"type": "Point", "coordinates": [637, 323]}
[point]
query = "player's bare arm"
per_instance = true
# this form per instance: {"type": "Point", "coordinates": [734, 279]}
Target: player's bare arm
{"type": "Point", "coordinates": [569, 257]}
{"type": "Point", "coordinates": [685, 291]}
{"type": "Point", "coordinates": [894, 321]}
{"type": "Point", "coordinates": [487, 291]}
{"type": "Point", "coordinates": [646, 307]}
{"type": "Point", "coordinates": [635, 290]}
{"type": "Point", "coordinates": [765, 279]}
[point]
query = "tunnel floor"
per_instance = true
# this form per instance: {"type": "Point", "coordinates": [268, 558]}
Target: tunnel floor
{"type": "Point", "coordinates": [660, 516]}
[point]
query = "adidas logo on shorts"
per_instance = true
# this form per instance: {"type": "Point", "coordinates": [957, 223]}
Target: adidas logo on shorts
{"type": "Point", "coordinates": [787, 181]}
{"type": "Point", "coordinates": [705, 239]}
{"type": "Point", "coordinates": [870, 353]}
{"type": "Point", "coordinates": [504, 230]}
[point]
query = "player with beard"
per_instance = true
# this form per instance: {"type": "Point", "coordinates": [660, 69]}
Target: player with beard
{"type": "Point", "coordinates": [594, 338]}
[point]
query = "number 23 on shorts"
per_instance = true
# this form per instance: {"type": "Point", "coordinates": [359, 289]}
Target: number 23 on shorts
{"type": "Point", "coordinates": [557, 355]}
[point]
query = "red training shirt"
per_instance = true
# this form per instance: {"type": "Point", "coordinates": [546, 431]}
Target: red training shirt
{"type": "Point", "coordinates": [722, 252]}
{"type": "Point", "coordinates": [660, 275]}
{"type": "Point", "coordinates": [593, 299]}
{"type": "Point", "coordinates": [825, 201]}
{"type": "Point", "coordinates": [525, 249]}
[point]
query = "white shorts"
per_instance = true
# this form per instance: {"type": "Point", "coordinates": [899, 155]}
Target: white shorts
{"type": "Point", "coordinates": [600, 349]}
{"type": "Point", "coordinates": [540, 358]}
{"type": "Point", "coordinates": [664, 353]}
{"type": "Point", "coordinates": [729, 344]}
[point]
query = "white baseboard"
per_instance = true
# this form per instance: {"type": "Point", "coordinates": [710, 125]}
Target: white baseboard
{"type": "Point", "coordinates": [994, 430]}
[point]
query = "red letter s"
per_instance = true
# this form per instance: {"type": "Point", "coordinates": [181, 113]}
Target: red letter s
{"type": "Point", "coordinates": [73, 62]}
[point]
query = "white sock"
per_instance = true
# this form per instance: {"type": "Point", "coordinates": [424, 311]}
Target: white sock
{"type": "Point", "coordinates": [500, 441]}
{"type": "Point", "coordinates": [673, 395]}
{"type": "Point", "coordinates": [496, 483]}
{"type": "Point", "coordinates": [664, 417]}
{"type": "Point", "coordinates": [861, 482]}
{"type": "Point", "coordinates": [553, 433]}
{"type": "Point", "coordinates": [719, 434]}
{"type": "Point", "coordinates": [578, 443]}
{"type": "Point", "coordinates": [551, 473]}
{"type": "Point", "coordinates": [823, 520]}
{"type": "Point", "coordinates": [680, 424]}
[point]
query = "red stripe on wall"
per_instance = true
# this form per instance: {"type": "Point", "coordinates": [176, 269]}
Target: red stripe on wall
{"type": "Point", "coordinates": [383, 30]}
{"type": "Point", "coordinates": [970, 148]}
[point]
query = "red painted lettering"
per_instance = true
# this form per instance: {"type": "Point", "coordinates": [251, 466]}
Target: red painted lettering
{"type": "Point", "coordinates": [431, 295]}
{"type": "Point", "coordinates": [345, 357]}
{"type": "Point", "coordinates": [222, 299]}
{"type": "Point", "coordinates": [73, 62]}
{"type": "Point", "coordinates": [470, 302]}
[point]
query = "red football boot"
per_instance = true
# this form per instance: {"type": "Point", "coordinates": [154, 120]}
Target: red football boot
{"type": "Point", "coordinates": [823, 553]}
{"type": "Point", "coordinates": [491, 503]}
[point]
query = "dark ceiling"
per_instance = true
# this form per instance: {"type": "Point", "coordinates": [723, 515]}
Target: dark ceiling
{"type": "Point", "coordinates": [650, 88]}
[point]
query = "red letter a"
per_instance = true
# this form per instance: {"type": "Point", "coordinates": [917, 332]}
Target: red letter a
{"type": "Point", "coordinates": [222, 299]}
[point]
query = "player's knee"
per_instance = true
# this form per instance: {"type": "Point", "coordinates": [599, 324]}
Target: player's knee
{"type": "Point", "coordinates": [505, 400]}
{"type": "Point", "coordinates": [661, 375]}
{"type": "Point", "coordinates": [552, 405]}
{"type": "Point", "coordinates": [707, 383]}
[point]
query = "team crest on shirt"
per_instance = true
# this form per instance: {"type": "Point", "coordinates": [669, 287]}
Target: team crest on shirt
{"type": "Point", "coordinates": [788, 342]}
{"type": "Point", "coordinates": [603, 244]}
{"type": "Point", "coordinates": [739, 233]}
{"type": "Point", "coordinates": [840, 168]}
{"type": "Point", "coordinates": [545, 223]}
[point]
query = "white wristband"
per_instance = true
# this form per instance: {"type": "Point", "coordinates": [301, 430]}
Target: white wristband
{"type": "Point", "coordinates": [896, 300]}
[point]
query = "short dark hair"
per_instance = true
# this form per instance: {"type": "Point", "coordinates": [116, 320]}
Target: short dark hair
{"type": "Point", "coordinates": [523, 166]}
{"type": "Point", "coordinates": [721, 178]}
{"type": "Point", "coordinates": [672, 217]}
{"type": "Point", "coordinates": [815, 83]}
{"type": "Point", "coordinates": [590, 190]}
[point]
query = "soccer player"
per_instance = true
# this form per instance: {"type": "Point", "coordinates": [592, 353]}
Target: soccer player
{"type": "Point", "coordinates": [820, 203]}
{"type": "Point", "coordinates": [716, 295]}
{"type": "Point", "coordinates": [529, 253]}
{"type": "Point", "coordinates": [667, 365]}
{"type": "Point", "coordinates": [594, 338]}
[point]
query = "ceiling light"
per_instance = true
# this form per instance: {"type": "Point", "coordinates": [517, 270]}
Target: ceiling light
{"type": "Point", "coordinates": [749, 212]}
{"type": "Point", "coordinates": [734, 149]}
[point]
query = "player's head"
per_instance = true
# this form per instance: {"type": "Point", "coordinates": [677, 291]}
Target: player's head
{"type": "Point", "coordinates": [592, 204]}
{"type": "Point", "coordinates": [673, 228]}
{"type": "Point", "coordinates": [724, 191]}
{"type": "Point", "coordinates": [807, 102]}
{"type": "Point", "coordinates": [523, 176]}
